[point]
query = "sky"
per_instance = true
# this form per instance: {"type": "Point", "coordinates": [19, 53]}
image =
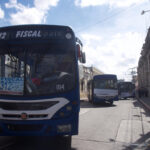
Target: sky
{"type": "Point", "coordinates": [112, 31]}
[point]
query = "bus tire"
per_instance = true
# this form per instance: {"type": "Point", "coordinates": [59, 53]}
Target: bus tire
{"type": "Point", "coordinates": [64, 142]}
{"type": "Point", "coordinates": [94, 103]}
{"type": "Point", "coordinates": [91, 101]}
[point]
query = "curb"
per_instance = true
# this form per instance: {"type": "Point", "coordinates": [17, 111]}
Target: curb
{"type": "Point", "coordinates": [147, 106]}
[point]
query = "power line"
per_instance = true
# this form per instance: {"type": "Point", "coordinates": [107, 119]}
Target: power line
{"type": "Point", "coordinates": [105, 19]}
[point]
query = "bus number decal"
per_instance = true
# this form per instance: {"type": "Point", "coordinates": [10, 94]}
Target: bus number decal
{"type": "Point", "coordinates": [60, 87]}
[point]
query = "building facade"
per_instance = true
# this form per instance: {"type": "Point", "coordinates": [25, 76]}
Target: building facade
{"type": "Point", "coordinates": [144, 68]}
{"type": "Point", "coordinates": [86, 73]}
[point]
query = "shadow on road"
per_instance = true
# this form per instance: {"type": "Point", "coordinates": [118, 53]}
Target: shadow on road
{"type": "Point", "coordinates": [143, 143]}
{"type": "Point", "coordinates": [126, 99]}
{"type": "Point", "coordinates": [86, 104]}
{"type": "Point", "coordinates": [36, 143]}
{"type": "Point", "coordinates": [136, 103]}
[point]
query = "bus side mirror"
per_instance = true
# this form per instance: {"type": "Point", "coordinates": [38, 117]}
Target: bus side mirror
{"type": "Point", "coordinates": [83, 57]}
{"type": "Point", "coordinates": [80, 54]}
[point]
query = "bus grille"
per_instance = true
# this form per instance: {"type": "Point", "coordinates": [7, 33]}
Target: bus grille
{"type": "Point", "coordinates": [24, 127]}
{"type": "Point", "coordinates": [27, 105]}
{"type": "Point", "coordinates": [29, 116]}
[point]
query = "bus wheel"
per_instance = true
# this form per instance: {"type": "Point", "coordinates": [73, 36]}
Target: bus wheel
{"type": "Point", "coordinates": [64, 142]}
{"type": "Point", "coordinates": [90, 100]}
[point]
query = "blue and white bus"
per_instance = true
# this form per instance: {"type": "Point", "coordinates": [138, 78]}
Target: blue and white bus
{"type": "Point", "coordinates": [126, 90]}
{"type": "Point", "coordinates": [39, 81]}
{"type": "Point", "coordinates": [103, 88]}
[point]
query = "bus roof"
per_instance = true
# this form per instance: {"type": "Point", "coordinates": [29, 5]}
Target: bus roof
{"type": "Point", "coordinates": [106, 76]}
{"type": "Point", "coordinates": [36, 31]}
{"type": "Point", "coordinates": [41, 26]}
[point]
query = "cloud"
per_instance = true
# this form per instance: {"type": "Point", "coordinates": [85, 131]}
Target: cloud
{"type": "Point", "coordinates": [45, 4]}
{"type": "Point", "coordinates": [116, 3]}
{"type": "Point", "coordinates": [126, 62]}
{"type": "Point", "coordinates": [1, 13]}
{"type": "Point", "coordinates": [114, 56]}
{"type": "Point", "coordinates": [119, 45]}
{"type": "Point", "coordinates": [30, 15]}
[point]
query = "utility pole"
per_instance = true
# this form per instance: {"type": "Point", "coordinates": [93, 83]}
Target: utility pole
{"type": "Point", "coordinates": [144, 11]}
{"type": "Point", "coordinates": [133, 73]}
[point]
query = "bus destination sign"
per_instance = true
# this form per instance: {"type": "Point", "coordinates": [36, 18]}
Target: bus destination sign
{"type": "Point", "coordinates": [31, 34]}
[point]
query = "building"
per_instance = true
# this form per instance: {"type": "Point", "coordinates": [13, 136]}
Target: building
{"type": "Point", "coordinates": [144, 67]}
{"type": "Point", "coordinates": [86, 74]}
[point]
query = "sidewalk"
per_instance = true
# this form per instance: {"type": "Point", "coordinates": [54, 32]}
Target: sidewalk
{"type": "Point", "coordinates": [83, 97]}
{"type": "Point", "coordinates": [145, 101]}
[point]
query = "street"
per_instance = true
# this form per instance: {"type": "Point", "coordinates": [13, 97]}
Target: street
{"type": "Point", "coordinates": [123, 126]}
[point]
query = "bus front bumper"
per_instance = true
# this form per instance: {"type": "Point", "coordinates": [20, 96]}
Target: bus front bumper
{"type": "Point", "coordinates": [53, 127]}
{"type": "Point", "coordinates": [105, 99]}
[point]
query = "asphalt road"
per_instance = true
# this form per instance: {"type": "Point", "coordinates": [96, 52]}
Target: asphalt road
{"type": "Point", "coordinates": [123, 126]}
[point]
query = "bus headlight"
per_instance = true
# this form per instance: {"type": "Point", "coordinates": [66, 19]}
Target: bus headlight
{"type": "Point", "coordinates": [64, 128]}
{"type": "Point", "coordinates": [62, 114]}
{"type": "Point", "coordinates": [68, 108]}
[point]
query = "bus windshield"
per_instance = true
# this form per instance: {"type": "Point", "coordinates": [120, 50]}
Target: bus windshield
{"type": "Point", "coordinates": [36, 72]}
{"type": "Point", "coordinates": [105, 84]}
{"type": "Point", "coordinates": [126, 87]}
